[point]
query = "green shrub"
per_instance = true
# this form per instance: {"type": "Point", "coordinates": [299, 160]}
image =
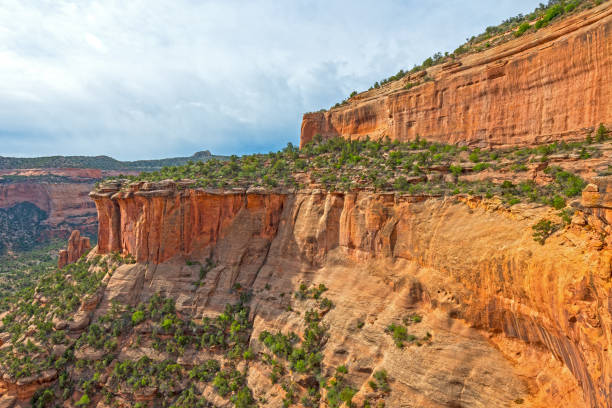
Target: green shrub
{"type": "Point", "coordinates": [221, 385]}
{"type": "Point", "coordinates": [455, 170]}
{"type": "Point", "coordinates": [600, 135]}
{"type": "Point", "coordinates": [326, 304]}
{"type": "Point", "coordinates": [243, 398]}
{"type": "Point", "coordinates": [550, 14]}
{"type": "Point", "coordinates": [398, 333]}
{"type": "Point", "coordinates": [138, 317]}
{"type": "Point", "coordinates": [401, 184]}
{"type": "Point", "coordinates": [481, 166]}
{"type": "Point", "coordinates": [522, 28]}
{"type": "Point", "coordinates": [382, 381]}
{"type": "Point", "coordinates": [557, 202]}
{"type": "Point", "coordinates": [543, 229]}
{"type": "Point", "coordinates": [571, 6]}
{"type": "Point", "coordinates": [566, 215]}
{"type": "Point", "coordinates": [42, 398]}
{"type": "Point", "coordinates": [84, 401]}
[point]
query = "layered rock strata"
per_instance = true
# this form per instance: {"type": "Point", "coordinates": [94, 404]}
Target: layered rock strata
{"type": "Point", "coordinates": [491, 295]}
{"type": "Point", "coordinates": [67, 205]}
{"type": "Point", "coordinates": [550, 85]}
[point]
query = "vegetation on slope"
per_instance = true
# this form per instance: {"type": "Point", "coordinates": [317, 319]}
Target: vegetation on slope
{"type": "Point", "coordinates": [136, 353]}
{"type": "Point", "coordinates": [45, 337]}
{"type": "Point", "coordinates": [20, 271]}
{"type": "Point", "coordinates": [417, 167]}
{"type": "Point", "coordinates": [21, 226]}
{"type": "Point", "coordinates": [47, 178]}
{"type": "Point", "coordinates": [29, 325]}
{"type": "Point", "coordinates": [515, 175]}
{"type": "Point", "coordinates": [132, 354]}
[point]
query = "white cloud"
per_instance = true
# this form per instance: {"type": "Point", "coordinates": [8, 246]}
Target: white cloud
{"type": "Point", "coordinates": [95, 43]}
{"type": "Point", "coordinates": [151, 78]}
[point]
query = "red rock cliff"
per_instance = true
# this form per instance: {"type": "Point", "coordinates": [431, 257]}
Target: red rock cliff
{"type": "Point", "coordinates": [544, 86]}
{"type": "Point", "coordinates": [380, 253]}
{"type": "Point", "coordinates": [155, 221]}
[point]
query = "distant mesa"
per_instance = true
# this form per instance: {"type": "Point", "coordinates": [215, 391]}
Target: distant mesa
{"type": "Point", "coordinates": [99, 162]}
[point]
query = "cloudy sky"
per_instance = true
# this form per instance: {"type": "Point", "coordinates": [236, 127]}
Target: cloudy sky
{"type": "Point", "coordinates": [150, 78]}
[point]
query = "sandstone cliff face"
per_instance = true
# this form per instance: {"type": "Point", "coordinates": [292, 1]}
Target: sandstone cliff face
{"type": "Point", "coordinates": [67, 205]}
{"type": "Point", "coordinates": [77, 246]}
{"type": "Point", "coordinates": [545, 86]}
{"type": "Point", "coordinates": [511, 320]}
{"type": "Point", "coordinates": [156, 222]}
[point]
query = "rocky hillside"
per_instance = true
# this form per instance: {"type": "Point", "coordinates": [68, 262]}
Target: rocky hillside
{"type": "Point", "coordinates": [546, 85]}
{"type": "Point", "coordinates": [485, 286]}
{"type": "Point", "coordinates": [373, 272]}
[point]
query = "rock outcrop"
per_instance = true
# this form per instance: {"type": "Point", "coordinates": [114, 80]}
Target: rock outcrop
{"type": "Point", "coordinates": [77, 247]}
{"type": "Point", "coordinates": [597, 203]}
{"type": "Point", "coordinates": [156, 221]}
{"type": "Point", "coordinates": [491, 295]}
{"type": "Point", "coordinates": [550, 85]}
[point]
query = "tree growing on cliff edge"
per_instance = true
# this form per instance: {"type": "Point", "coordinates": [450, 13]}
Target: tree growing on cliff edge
{"type": "Point", "coordinates": [600, 136]}
{"type": "Point", "coordinates": [543, 229]}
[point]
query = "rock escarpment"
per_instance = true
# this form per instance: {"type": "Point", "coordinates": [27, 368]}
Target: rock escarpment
{"type": "Point", "coordinates": [550, 85]}
{"type": "Point", "coordinates": [63, 205]}
{"type": "Point", "coordinates": [47, 203]}
{"type": "Point", "coordinates": [490, 295]}
{"type": "Point", "coordinates": [155, 221]}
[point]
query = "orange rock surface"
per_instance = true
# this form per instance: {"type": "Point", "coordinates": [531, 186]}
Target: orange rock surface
{"type": "Point", "coordinates": [541, 87]}
{"type": "Point", "coordinates": [77, 246]}
{"type": "Point", "coordinates": [67, 204]}
{"type": "Point", "coordinates": [511, 319]}
{"type": "Point", "coordinates": [155, 222]}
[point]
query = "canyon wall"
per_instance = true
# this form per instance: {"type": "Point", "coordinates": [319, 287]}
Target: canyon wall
{"type": "Point", "coordinates": [154, 222]}
{"type": "Point", "coordinates": [491, 296]}
{"type": "Point", "coordinates": [66, 205]}
{"type": "Point", "coordinates": [41, 204]}
{"type": "Point", "coordinates": [549, 85]}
